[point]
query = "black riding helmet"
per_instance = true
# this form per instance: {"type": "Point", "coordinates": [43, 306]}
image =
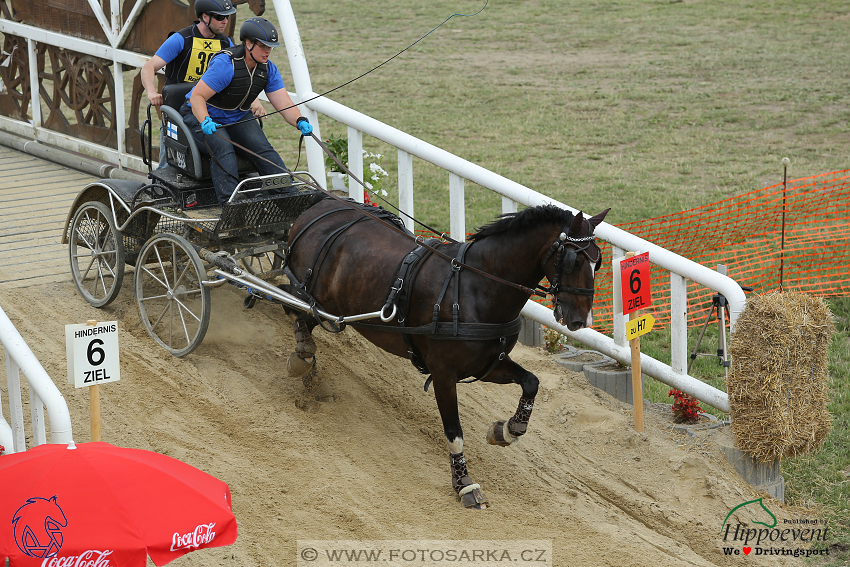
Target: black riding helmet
{"type": "Point", "coordinates": [259, 29]}
{"type": "Point", "coordinates": [220, 7]}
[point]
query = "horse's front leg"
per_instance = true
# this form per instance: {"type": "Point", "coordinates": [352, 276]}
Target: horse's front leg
{"type": "Point", "coordinates": [445, 391]}
{"type": "Point", "coordinates": [503, 433]}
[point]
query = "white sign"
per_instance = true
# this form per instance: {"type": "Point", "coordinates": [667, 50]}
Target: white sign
{"type": "Point", "coordinates": [92, 352]}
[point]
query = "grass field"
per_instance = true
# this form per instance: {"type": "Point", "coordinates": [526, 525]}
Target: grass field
{"type": "Point", "coordinates": [648, 107]}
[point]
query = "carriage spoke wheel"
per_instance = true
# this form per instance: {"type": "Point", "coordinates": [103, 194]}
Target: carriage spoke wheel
{"type": "Point", "coordinates": [97, 254]}
{"type": "Point", "coordinates": [262, 264]}
{"type": "Point", "coordinates": [174, 305]}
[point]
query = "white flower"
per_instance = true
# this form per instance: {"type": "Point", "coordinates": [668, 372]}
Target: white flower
{"type": "Point", "coordinates": [384, 193]}
{"type": "Point", "coordinates": [368, 186]}
{"type": "Point", "coordinates": [377, 169]}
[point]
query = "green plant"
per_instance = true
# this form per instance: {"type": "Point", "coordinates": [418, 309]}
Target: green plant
{"type": "Point", "coordinates": [338, 146]}
{"type": "Point", "coordinates": [554, 341]}
{"type": "Point", "coordinates": [373, 173]}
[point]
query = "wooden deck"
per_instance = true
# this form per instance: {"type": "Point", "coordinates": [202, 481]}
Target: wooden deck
{"type": "Point", "coordinates": [35, 196]}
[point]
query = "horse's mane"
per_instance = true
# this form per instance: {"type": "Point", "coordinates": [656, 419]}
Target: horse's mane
{"type": "Point", "coordinates": [377, 212]}
{"type": "Point", "coordinates": [523, 221]}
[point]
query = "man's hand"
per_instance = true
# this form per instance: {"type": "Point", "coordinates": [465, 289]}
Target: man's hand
{"type": "Point", "coordinates": [208, 126]}
{"type": "Point", "coordinates": [304, 125]}
{"type": "Point", "coordinates": [257, 108]}
{"type": "Point", "coordinates": [155, 98]}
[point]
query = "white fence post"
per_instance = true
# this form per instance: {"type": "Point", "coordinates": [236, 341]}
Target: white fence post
{"type": "Point", "coordinates": [405, 187]}
{"type": "Point", "coordinates": [355, 163]}
{"type": "Point", "coordinates": [619, 320]}
{"type": "Point", "coordinates": [457, 208]}
{"type": "Point", "coordinates": [508, 205]}
{"type": "Point", "coordinates": [43, 393]}
{"type": "Point", "coordinates": [16, 407]}
{"type": "Point", "coordinates": [35, 94]}
{"type": "Point", "coordinates": [678, 323]}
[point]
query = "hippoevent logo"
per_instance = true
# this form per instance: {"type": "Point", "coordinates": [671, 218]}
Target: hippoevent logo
{"type": "Point", "coordinates": [37, 526]}
{"type": "Point", "coordinates": [767, 536]}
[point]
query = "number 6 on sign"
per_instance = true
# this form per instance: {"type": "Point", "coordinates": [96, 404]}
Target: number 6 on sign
{"type": "Point", "coordinates": [92, 352]}
{"type": "Point", "coordinates": [634, 275]}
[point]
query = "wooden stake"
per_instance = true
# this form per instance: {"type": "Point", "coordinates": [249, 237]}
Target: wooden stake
{"type": "Point", "coordinates": [94, 408]}
{"type": "Point", "coordinates": [94, 403]}
{"type": "Point", "coordinates": [637, 385]}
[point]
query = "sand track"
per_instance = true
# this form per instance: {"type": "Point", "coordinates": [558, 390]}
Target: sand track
{"type": "Point", "coordinates": [362, 456]}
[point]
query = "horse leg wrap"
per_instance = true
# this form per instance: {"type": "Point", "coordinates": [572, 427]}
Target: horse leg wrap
{"type": "Point", "coordinates": [468, 491]}
{"type": "Point", "coordinates": [305, 346]}
{"type": "Point", "coordinates": [518, 424]}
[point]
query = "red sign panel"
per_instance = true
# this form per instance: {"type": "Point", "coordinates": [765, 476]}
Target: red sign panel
{"type": "Point", "coordinates": [634, 280]}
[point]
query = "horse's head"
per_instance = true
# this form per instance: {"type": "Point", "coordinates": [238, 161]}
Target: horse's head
{"type": "Point", "coordinates": [571, 265]}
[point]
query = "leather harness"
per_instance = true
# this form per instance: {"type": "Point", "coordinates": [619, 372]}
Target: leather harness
{"type": "Point", "coordinates": [399, 297]}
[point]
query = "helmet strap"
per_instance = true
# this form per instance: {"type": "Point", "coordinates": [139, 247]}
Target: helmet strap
{"type": "Point", "coordinates": [250, 51]}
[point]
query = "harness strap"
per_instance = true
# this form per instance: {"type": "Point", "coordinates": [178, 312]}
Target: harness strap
{"type": "Point", "coordinates": [323, 250]}
{"type": "Point", "coordinates": [318, 218]}
{"type": "Point", "coordinates": [445, 330]}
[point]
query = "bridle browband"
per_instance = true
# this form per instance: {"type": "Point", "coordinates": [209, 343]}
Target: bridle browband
{"type": "Point", "coordinates": [565, 249]}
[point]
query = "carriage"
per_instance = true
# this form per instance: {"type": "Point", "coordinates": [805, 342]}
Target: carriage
{"type": "Point", "coordinates": [180, 240]}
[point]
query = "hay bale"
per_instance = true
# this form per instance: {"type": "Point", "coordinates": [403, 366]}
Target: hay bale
{"type": "Point", "coordinates": [778, 382]}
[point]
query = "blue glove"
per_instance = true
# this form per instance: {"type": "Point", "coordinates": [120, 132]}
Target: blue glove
{"type": "Point", "coordinates": [208, 126]}
{"type": "Point", "coordinates": [304, 125]}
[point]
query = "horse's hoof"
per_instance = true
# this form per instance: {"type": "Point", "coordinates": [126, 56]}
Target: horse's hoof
{"type": "Point", "coordinates": [498, 434]}
{"type": "Point", "coordinates": [299, 367]}
{"type": "Point", "coordinates": [471, 497]}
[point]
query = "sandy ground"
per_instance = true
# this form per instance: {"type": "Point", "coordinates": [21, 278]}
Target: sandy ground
{"type": "Point", "coordinates": [362, 456]}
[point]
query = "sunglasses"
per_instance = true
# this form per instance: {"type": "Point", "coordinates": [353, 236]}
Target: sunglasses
{"type": "Point", "coordinates": [218, 17]}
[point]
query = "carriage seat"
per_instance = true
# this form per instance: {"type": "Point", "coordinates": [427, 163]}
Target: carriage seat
{"type": "Point", "coordinates": [182, 151]}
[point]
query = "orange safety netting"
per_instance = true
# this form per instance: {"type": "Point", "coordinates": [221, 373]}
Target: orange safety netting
{"type": "Point", "coordinates": [799, 228]}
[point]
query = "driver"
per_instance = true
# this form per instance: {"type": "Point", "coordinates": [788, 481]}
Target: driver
{"type": "Point", "coordinates": [186, 53]}
{"type": "Point", "coordinates": [224, 94]}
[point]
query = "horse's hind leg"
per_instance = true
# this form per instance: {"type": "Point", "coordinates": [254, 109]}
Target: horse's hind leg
{"type": "Point", "coordinates": [504, 433]}
{"type": "Point", "coordinates": [468, 491]}
{"type": "Point", "coordinates": [302, 362]}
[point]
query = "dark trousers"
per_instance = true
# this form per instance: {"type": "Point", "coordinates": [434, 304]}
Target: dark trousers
{"type": "Point", "coordinates": [247, 134]}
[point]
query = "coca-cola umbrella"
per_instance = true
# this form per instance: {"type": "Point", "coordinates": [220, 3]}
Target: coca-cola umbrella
{"type": "Point", "coordinates": [98, 505]}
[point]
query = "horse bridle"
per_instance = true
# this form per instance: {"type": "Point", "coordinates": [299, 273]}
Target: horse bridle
{"type": "Point", "coordinates": [565, 249]}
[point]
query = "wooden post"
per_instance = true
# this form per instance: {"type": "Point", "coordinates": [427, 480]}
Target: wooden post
{"type": "Point", "coordinates": [94, 402]}
{"type": "Point", "coordinates": [94, 408]}
{"type": "Point", "coordinates": [637, 389]}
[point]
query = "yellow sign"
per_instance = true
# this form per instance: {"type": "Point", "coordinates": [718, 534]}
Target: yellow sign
{"type": "Point", "coordinates": [639, 326]}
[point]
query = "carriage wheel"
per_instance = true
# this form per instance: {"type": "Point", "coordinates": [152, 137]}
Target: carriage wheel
{"type": "Point", "coordinates": [174, 305]}
{"type": "Point", "coordinates": [263, 263]}
{"type": "Point", "coordinates": [97, 254]}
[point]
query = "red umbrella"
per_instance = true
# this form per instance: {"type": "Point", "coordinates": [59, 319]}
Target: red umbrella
{"type": "Point", "coordinates": [97, 505]}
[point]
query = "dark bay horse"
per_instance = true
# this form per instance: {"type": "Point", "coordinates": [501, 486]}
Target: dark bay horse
{"type": "Point", "coordinates": [451, 321]}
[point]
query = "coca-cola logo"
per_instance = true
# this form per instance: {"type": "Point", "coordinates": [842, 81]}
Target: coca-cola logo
{"type": "Point", "coordinates": [202, 535]}
{"type": "Point", "coordinates": [90, 558]}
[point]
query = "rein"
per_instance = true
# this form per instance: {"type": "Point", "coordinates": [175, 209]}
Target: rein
{"type": "Point", "coordinates": [418, 239]}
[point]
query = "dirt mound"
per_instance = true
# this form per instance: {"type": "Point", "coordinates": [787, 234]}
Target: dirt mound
{"type": "Point", "coordinates": [362, 455]}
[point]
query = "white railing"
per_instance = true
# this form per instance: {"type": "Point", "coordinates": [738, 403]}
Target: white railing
{"type": "Point", "coordinates": [120, 58]}
{"type": "Point", "coordinates": [408, 147]}
{"type": "Point", "coordinates": [43, 394]}
{"type": "Point", "coordinates": [512, 193]}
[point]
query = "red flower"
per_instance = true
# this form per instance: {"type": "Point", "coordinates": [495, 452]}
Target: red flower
{"type": "Point", "coordinates": [685, 407]}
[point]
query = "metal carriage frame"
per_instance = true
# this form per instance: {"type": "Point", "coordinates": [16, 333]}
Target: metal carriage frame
{"type": "Point", "coordinates": [115, 223]}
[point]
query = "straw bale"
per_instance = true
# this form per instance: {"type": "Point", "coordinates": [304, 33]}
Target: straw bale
{"type": "Point", "coordinates": [778, 383]}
